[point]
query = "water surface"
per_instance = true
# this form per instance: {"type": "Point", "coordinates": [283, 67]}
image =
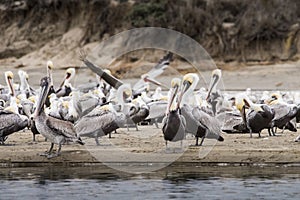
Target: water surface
{"type": "Point", "coordinates": [175, 182]}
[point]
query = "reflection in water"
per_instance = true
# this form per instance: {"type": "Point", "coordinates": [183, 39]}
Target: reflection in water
{"type": "Point", "coordinates": [172, 182]}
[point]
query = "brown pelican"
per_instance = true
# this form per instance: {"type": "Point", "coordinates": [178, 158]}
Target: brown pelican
{"type": "Point", "coordinates": [199, 123]}
{"type": "Point", "coordinates": [157, 95]}
{"type": "Point", "coordinates": [173, 123]}
{"type": "Point", "coordinates": [66, 88]}
{"type": "Point", "coordinates": [74, 107]}
{"type": "Point", "coordinates": [27, 105]}
{"type": "Point", "coordinates": [215, 79]}
{"type": "Point", "coordinates": [56, 131]}
{"type": "Point", "coordinates": [213, 96]}
{"type": "Point", "coordinates": [157, 111]}
{"type": "Point", "coordinates": [10, 84]}
{"type": "Point", "coordinates": [101, 121]}
{"type": "Point", "coordinates": [284, 112]}
{"type": "Point", "coordinates": [140, 113]}
{"type": "Point", "coordinates": [193, 126]}
{"type": "Point", "coordinates": [24, 85]}
{"type": "Point", "coordinates": [11, 121]}
{"type": "Point", "coordinates": [111, 80]}
{"type": "Point", "coordinates": [258, 117]}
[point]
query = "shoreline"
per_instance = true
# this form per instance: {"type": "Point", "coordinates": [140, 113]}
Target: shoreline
{"type": "Point", "coordinates": [236, 150]}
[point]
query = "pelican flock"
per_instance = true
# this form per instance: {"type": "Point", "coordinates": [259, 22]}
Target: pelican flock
{"type": "Point", "coordinates": [69, 114]}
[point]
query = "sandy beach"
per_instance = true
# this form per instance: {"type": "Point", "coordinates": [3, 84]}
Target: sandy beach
{"type": "Point", "coordinates": [147, 146]}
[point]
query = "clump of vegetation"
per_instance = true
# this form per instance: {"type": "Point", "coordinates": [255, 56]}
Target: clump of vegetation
{"type": "Point", "coordinates": [149, 13]}
{"type": "Point", "coordinates": [242, 30]}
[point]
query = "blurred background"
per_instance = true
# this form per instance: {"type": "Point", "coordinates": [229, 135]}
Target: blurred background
{"type": "Point", "coordinates": [236, 33]}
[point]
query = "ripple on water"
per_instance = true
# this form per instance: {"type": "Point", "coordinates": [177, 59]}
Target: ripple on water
{"type": "Point", "coordinates": [180, 183]}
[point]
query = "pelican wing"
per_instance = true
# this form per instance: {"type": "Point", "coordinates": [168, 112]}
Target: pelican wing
{"type": "Point", "coordinates": [96, 120]}
{"type": "Point", "coordinates": [157, 109]}
{"type": "Point", "coordinates": [230, 120]}
{"type": "Point", "coordinates": [211, 123]}
{"type": "Point", "coordinates": [111, 80]}
{"type": "Point", "coordinates": [157, 70]}
{"type": "Point", "coordinates": [281, 110]}
{"type": "Point", "coordinates": [5, 119]}
{"type": "Point", "coordinates": [61, 127]}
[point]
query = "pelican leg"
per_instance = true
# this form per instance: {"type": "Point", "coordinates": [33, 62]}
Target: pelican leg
{"type": "Point", "coordinates": [259, 134]}
{"type": "Point", "coordinates": [2, 139]}
{"type": "Point", "coordinates": [47, 153]}
{"type": "Point", "coordinates": [109, 135]}
{"type": "Point", "coordinates": [202, 140]}
{"type": "Point", "coordinates": [33, 137]}
{"type": "Point", "coordinates": [136, 127]}
{"type": "Point", "coordinates": [250, 130]}
{"type": "Point", "coordinates": [156, 124]}
{"type": "Point", "coordinates": [283, 128]}
{"type": "Point", "coordinates": [273, 132]}
{"type": "Point", "coordinates": [56, 154]}
{"type": "Point", "coordinates": [269, 131]}
{"type": "Point", "coordinates": [127, 127]}
{"type": "Point", "coordinates": [166, 142]}
{"type": "Point", "coordinates": [97, 141]}
{"type": "Point", "coordinates": [197, 141]}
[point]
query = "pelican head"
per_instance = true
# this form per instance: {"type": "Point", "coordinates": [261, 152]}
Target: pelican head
{"type": "Point", "coordinates": [32, 99]}
{"type": "Point", "coordinates": [70, 73]}
{"type": "Point", "coordinates": [45, 86]}
{"type": "Point", "coordinates": [49, 65]}
{"type": "Point", "coordinates": [107, 107]}
{"type": "Point", "coordinates": [124, 92]}
{"type": "Point", "coordinates": [189, 80]}
{"type": "Point", "coordinates": [242, 101]}
{"type": "Point", "coordinates": [24, 80]}
{"type": "Point", "coordinates": [49, 70]}
{"type": "Point", "coordinates": [215, 78]}
{"type": "Point", "coordinates": [21, 74]}
{"type": "Point", "coordinates": [175, 82]}
{"type": "Point", "coordinates": [9, 76]}
{"type": "Point", "coordinates": [275, 98]}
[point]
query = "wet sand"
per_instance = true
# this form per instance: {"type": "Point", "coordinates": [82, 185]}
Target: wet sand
{"type": "Point", "coordinates": [147, 146]}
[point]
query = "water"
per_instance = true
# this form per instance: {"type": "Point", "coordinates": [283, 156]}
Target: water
{"type": "Point", "coordinates": [176, 182]}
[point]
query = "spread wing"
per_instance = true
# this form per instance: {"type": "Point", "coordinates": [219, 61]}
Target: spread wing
{"type": "Point", "coordinates": [157, 70]}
